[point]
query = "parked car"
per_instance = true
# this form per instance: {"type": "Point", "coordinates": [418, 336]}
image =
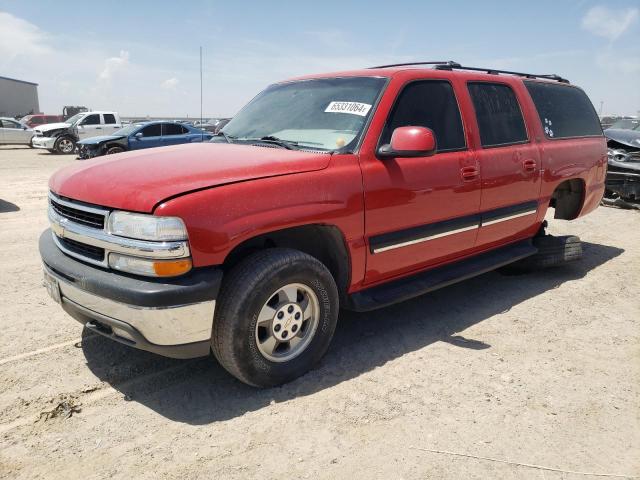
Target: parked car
{"type": "Point", "coordinates": [32, 121]}
{"type": "Point", "coordinates": [138, 136]}
{"type": "Point", "coordinates": [13, 132]}
{"type": "Point", "coordinates": [214, 125]}
{"type": "Point", "coordinates": [623, 175]}
{"type": "Point", "coordinates": [62, 137]}
{"type": "Point", "coordinates": [353, 190]}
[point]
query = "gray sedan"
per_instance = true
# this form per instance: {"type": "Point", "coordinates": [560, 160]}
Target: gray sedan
{"type": "Point", "coordinates": [13, 132]}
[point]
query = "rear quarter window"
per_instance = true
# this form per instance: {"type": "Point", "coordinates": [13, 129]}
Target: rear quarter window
{"type": "Point", "coordinates": [564, 111]}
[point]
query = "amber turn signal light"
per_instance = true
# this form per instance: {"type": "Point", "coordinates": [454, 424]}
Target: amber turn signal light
{"type": "Point", "coordinates": [172, 268]}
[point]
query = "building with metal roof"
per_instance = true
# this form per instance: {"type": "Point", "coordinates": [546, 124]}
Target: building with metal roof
{"type": "Point", "coordinates": [18, 97]}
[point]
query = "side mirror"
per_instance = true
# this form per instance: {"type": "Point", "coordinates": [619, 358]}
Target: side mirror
{"type": "Point", "coordinates": [409, 142]}
{"type": "Point", "coordinates": [138, 135]}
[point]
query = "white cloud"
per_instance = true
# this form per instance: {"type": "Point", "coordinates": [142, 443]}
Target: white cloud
{"type": "Point", "coordinates": [609, 23]}
{"type": "Point", "coordinates": [114, 65]}
{"type": "Point", "coordinates": [20, 38]}
{"type": "Point", "coordinates": [170, 83]}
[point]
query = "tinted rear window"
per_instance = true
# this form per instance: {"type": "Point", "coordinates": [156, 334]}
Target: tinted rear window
{"type": "Point", "coordinates": [498, 112]}
{"type": "Point", "coordinates": [109, 118]}
{"type": "Point", "coordinates": [564, 111]}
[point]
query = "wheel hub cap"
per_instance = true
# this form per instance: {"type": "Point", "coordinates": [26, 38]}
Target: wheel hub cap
{"type": "Point", "coordinates": [287, 322]}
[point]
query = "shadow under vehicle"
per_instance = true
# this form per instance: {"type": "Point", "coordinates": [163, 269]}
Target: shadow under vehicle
{"type": "Point", "coordinates": [199, 391]}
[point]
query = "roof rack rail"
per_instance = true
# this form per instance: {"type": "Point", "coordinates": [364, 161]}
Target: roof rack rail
{"type": "Point", "coordinates": [443, 63]}
{"type": "Point", "coordinates": [451, 65]}
{"type": "Point", "coordinates": [494, 71]}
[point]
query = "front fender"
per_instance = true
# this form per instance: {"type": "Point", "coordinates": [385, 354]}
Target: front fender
{"type": "Point", "coordinates": [219, 219]}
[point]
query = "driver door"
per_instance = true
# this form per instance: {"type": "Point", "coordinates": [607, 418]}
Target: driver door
{"type": "Point", "coordinates": [421, 211]}
{"type": "Point", "coordinates": [90, 126]}
{"type": "Point", "coordinates": [147, 137]}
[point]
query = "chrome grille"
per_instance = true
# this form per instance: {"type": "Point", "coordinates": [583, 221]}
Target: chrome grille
{"type": "Point", "coordinates": [84, 217]}
{"type": "Point", "coordinates": [95, 253]}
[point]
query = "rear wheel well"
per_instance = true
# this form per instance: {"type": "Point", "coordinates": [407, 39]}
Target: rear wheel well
{"type": "Point", "coordinates": [567, 199]}
{"type": "Point", "coordinates": [323, 242]}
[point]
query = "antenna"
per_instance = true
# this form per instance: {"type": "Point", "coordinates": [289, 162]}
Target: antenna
{"type": "Point", "coordinates": [202, 134]}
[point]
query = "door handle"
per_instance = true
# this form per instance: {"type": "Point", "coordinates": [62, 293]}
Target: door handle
{"type": "Point", "coordinates": [529, 165]}
{"type": "Point", "coordinates": [98, 128]}
{"type": "Point", "coordinates": [469, 173]}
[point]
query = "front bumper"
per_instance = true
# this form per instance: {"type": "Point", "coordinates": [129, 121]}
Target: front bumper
{"type": "Point", "coordinates": [171, 317]}
{"type": "Point", "coordinates": [44, 142]}
{"type": "Point", "coordinates": [86, 152]}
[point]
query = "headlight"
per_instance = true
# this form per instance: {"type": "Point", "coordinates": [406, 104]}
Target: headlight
{"type": "Point", "coordinates": [148, 267]}
{"type": "Point", "coordinates": [619, 155]}
{"type": "Point", "coordinates": [146, 227]}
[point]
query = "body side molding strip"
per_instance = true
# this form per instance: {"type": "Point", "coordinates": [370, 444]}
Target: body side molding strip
{"type": "Point", "coordinates": [411, 236]}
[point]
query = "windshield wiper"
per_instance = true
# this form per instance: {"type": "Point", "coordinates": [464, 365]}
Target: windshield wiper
{"type": "Point", "coordinates": [288, 144]}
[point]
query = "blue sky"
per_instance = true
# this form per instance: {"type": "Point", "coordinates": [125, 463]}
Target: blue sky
{"type": "Point", "coordinates": [141, 57]}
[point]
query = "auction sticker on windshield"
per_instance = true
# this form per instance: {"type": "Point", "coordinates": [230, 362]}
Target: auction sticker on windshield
{"type": "Point", "coordinates": [354, 108]}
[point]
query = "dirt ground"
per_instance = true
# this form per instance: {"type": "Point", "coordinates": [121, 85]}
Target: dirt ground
{"type": "Point", "coordinates": [516, 377]}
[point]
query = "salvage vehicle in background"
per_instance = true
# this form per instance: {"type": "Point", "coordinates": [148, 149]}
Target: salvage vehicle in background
{"type": "Point", "coordinates": [623, 175]}
{"type": "Point", "coordinates": [32, 121]}
{"type": "Point", "coordinates": [70, 110]}
{"type": "Point", "coordinates": [13, 132]}
{"type": "Point", "coordinates": [214, 125]}
{"type": "Point", "coordinates": [349, 190]}
{"type": "Point", "coordinates": [138, 136]}
{"type": "Point", "coordinates": [62, 137]}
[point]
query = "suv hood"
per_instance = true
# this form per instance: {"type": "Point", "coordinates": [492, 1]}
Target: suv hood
{"type": "Point", "coordinates": [139, 180]}
{"type": "Point", "coordinates": [52, 126]}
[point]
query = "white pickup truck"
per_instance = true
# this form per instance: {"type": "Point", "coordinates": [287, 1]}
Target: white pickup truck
{"type": "Point", "coordinates": [62, 137]}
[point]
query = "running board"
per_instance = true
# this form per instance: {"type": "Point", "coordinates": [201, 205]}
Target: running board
{"type": "Point", "coordinates": [429, 280]}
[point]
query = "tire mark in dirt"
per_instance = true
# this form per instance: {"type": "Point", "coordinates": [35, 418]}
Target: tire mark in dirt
{"type": "Point", "coordinates": [20, 356]}
{"type": "Point", "coordinates": [104, 391]}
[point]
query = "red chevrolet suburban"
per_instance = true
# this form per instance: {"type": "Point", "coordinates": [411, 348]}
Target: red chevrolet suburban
{"type": "Point", "coordinates": [348, 190]}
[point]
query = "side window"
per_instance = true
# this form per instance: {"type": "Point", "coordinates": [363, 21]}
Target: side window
{"type": "Point", "coordinates": [91, 120]}
{"type": "Point", "coordinates": [564, 111]}
{"type": "Point", "coordinates": [109, 118]}
{"type": "Point", "coordinates": [151, 130]}
{"type": "Point", "coordinates": [431, 104]}
{"type": "Point", "coordinates": [172, 129]}
{"type": "Point", "coordinates": [38, 121]}
{"type": "Point", "coordinates": [498, 112]}
{"type": "Point", "coordinates": [10, 124]}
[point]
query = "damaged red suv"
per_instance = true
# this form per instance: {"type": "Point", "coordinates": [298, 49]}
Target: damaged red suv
{"type": "Point", "coordinates": [349, 190]}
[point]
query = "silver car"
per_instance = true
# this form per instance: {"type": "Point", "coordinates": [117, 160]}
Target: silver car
{"type": "Point", "coordinates": [13, 132]}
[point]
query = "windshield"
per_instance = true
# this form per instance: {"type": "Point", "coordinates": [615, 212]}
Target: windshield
{"type": "Point", "coordinates": [322, 114]}
{"type": "Point", "coordinates": [74, 119]}
{"type": "Point", "coordinates": [128, 130]}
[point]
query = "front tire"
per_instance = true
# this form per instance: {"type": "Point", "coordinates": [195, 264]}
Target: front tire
{"type": "Point", "coordinates": [275, 317]}
{"type": "Point", "coordinates": [112, 150]}
{"type": "Point", "coordinates": [65, 145]}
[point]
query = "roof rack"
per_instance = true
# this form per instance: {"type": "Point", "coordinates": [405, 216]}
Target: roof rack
{"type": "Point", "coordinates": [444, 63]}
{"type": "Point", "coordinates": [450, 65]}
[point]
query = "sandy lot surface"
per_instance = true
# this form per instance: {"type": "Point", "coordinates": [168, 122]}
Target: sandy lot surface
{"type": "Point", "coordinates": [473, 381]}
